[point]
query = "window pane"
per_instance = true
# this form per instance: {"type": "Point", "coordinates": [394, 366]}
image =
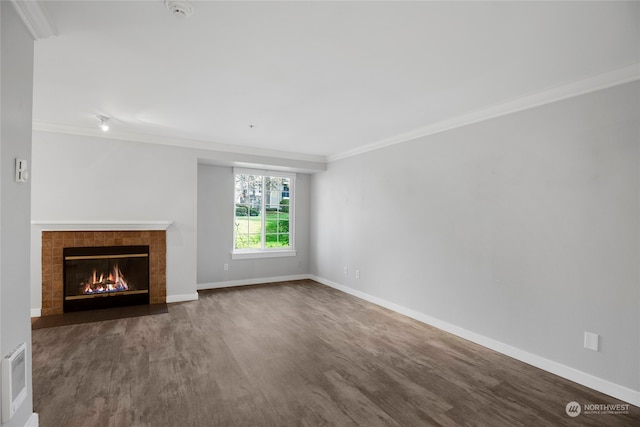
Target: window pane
{"type": "Point", "coordinates": [277, 208]}
{"type": "Point", "coordinates": [241, 231]}
{"type": "Point", "coordinates": [276, 224]}
{"type": "Point", "coordinates": [248, 197]}
{"type": "Point", "coordinates": [277, 190]}
{"type": "Point", "coordinates": [255, 225]}
{"type": "Point", "coordinates": [283, 225]}
{"type": "Point", "coordinates": [277, 240]}
{"type": "Point", "coordinates": [249, 189]}
{"type": "Point", "coordinates": [255, 241]}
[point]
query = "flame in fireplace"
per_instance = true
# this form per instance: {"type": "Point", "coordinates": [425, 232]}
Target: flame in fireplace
{"type": "Point", "coordinates": [100, 283]}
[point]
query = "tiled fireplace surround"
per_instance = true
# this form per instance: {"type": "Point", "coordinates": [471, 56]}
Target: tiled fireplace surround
{"type": "Point", "coordinates": [54, 241]}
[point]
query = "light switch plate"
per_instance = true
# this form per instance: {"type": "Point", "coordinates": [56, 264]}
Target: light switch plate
{"type": "Point", "coordinates": [591, 341]}
{"type": "Point", "coordinates": [22, 171]}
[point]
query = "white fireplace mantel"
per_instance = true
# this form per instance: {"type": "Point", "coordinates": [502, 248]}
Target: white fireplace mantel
{"type": "Point", "coordinates": [102, 225]}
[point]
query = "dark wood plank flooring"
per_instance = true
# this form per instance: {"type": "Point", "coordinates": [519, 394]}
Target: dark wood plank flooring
{"type": "Point", "coordinates": [89, 316]}
{"type": "Point", "coordinates": [290, 354]}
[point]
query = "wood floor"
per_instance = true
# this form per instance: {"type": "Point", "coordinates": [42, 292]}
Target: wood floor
{"type": "Point", "coordinates": [290, 354]}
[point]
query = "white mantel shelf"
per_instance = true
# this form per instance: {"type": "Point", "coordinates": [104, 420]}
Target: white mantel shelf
{"type": "Point", "coordinates": [102, 225]}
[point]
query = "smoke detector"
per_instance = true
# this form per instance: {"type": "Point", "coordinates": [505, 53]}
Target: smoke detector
{"type": "Point", "coordinates": [181, 8]}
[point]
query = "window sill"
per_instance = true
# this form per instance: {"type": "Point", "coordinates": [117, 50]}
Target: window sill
{"type": "Point", "coordinates": [262, 254]}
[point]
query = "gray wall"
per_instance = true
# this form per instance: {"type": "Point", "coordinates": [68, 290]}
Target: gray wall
{"type": "Point", "coordinates": [215, 233]}
{"type": "Point", "coordinates": [523, 229]}
{"type": "Point", "coordinates": [80, 178]}
{"type": "Point", "coordinates": [16, 85]}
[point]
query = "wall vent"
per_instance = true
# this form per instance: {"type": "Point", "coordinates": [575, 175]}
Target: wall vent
{"type": "Point", "coordinates": [14, 381]}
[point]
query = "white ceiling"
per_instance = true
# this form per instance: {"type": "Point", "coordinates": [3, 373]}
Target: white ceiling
{"type": "Point", "coordinates": [313, 78]}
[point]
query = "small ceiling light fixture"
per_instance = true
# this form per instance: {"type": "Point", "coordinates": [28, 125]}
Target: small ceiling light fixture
{"type": "Point", "coordinates": [180, 8]}
{"type": "Point", "coordinates": [102, 122]}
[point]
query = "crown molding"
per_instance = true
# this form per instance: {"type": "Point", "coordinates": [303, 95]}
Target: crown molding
{"type": "Point", "coordinates": [590, 84]}
{"type": "Point", "coordinates": [176, 142]}
{"type": "Point", "coordinates": [35, 18]}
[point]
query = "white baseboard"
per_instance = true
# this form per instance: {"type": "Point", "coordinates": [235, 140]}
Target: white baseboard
{"type": "Point", "coordinates": [182, 298]}
{"type": "Point", "coordinates": [612, 389]}
{"type": "Point", "coordinates": [246, 282]}
{"type": "Point", "coordinates": [36, 312]}
{"type": "Point", "coordinates": [33, 420]}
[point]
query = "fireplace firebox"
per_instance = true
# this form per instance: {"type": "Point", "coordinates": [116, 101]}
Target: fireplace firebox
{"type": "Point", "coordinates": [105, 277]}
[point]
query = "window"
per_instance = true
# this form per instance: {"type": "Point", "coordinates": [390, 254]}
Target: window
{"type": "Point", "coordinates": [264, 212]}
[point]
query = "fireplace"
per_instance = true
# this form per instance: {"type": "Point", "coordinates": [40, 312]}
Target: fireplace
{"type": "Point", "coordinates": [54, 241]}
{"type": "Point", "coordinates": [105, 276]}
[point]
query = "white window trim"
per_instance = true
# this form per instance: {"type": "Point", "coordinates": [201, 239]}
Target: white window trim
{"type": "Point", "coordinates": [252, 254]}
{"type": "Point", "coordinates": [268, 252]}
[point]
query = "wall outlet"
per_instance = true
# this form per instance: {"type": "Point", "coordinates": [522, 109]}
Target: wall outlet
{"type": "Point", "coordinates": [591, 341]}
{"type": "Point", "coordinates": [357, 274]}
{"type": "Point", "coordinates": [226, 267]}
{"type": "Point", "coordinates": [346, 271]}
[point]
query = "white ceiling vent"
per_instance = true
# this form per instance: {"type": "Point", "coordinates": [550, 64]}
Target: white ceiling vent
{"type": "Point", "coordinates": [181, 8]}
